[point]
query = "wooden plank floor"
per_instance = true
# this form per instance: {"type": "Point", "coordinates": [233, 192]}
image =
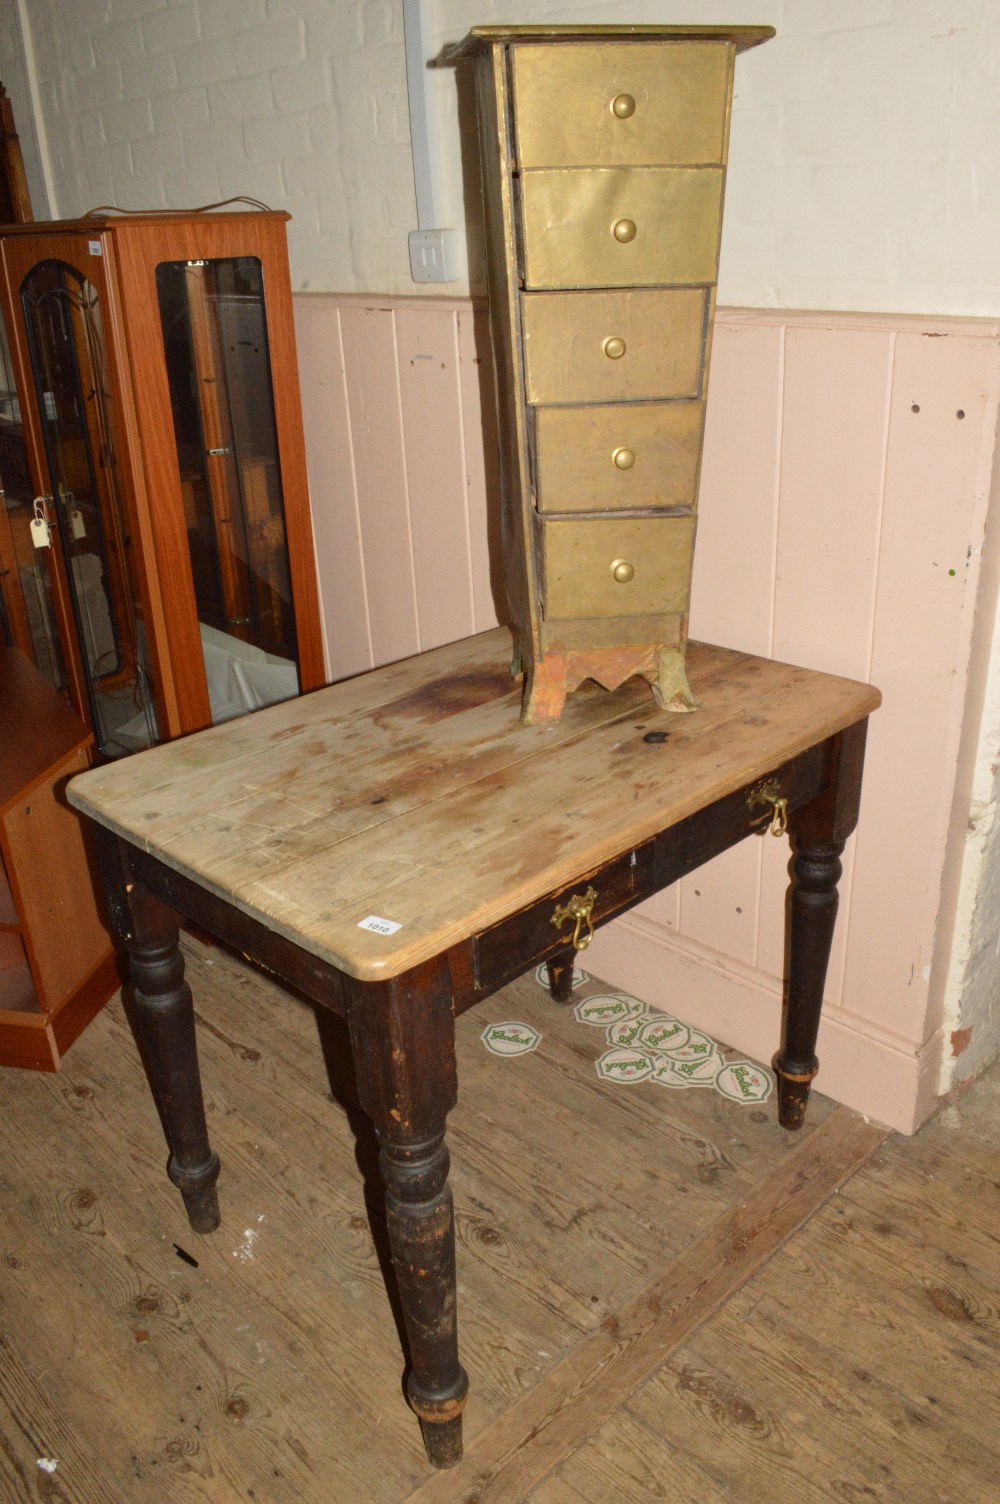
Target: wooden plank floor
{"type": "Point", "coordinates": [663, 1295]}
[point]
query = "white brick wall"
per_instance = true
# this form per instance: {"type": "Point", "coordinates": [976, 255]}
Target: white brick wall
{"type": "Point", "coordinates": [174, 103]}
{"type": "Point", "coordinates": [865, 153]}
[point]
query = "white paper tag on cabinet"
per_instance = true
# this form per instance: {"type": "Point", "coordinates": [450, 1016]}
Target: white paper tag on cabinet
{"type": "Point", "coordinates": [40, 532]}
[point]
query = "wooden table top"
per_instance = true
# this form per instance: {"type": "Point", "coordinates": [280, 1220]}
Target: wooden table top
{"type": "Point", "coordinates": [413, 794]}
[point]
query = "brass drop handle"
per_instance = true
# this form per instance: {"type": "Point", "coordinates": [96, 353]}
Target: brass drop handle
{"type": "Point", "coordinates": [614, 347]}
{"type": "Point", "coordinates": [622, 571]}
{"type": "Point", "coordinates": [579, 909]}
{"type": "Point", "coordinates": [622, 106]}
{"type": "Point", "coordinates": [623, 459]}
{"type": "Point", "coordinates": [624, 230]}
{"type": "Point", "coordinates": [768, 793]}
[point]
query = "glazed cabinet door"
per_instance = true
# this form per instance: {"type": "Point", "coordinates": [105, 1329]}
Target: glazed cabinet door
{"type": "Point", "coordinates": [208, 321]}
{"type": "Point", "coordinates": [35, 613]}
{"type": "Point", "coordinates": [58, 302]}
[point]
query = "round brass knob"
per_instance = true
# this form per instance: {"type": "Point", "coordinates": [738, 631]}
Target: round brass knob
{"type": "Point", "coordinates": [623, 230]}
{"type": "Point", "coordinates": [622, 571]}
{"type": "Point", "coordinates": [623, 105]}
{"type": "Point", "coordinates": [614, 348]}
{"type": "Point", "coordinates": [623, 458]}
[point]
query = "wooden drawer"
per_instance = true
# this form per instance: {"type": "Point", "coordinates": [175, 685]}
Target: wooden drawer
{"type": "Point", "coordinates": [503, 951]}
{"type": "Point", "coordinates": [580, 557]}
{"type": "Point", "coordinates": [613, 346]}
{"type": "Point", "coordinates": [621, 226]}
{"type": "Point", "coordinates": [565, 103]}
{"type": "Point", "coordinates": [605, 459]}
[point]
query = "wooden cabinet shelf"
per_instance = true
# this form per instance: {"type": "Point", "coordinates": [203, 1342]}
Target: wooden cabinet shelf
{"type": "Point", "coordinates": [57, 966]}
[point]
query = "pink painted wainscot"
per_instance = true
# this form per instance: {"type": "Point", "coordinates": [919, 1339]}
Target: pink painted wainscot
{"type": "Point", "coordinates": [845, 524]}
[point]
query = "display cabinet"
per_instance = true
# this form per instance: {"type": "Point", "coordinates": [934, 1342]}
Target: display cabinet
{"type": "Point", "coordinates": [156, 554]}
{"type": "Point", "coordinates": [57, 966]}
{"type": "Point", "coordinates": [604, 157]}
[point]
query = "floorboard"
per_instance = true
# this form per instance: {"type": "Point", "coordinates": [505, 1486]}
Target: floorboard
{"type": "Point", "coordinates": [663, 1295]}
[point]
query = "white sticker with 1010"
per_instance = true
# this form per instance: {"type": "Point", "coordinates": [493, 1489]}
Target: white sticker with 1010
{"type": "Point", "coordinates": [379, 926]}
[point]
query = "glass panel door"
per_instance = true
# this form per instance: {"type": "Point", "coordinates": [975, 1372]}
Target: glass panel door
{"type": "Point", "coordinates": [26, 612]}
{"type": "Point", "coordinates": [65, 338]}
{"type": "Point", "coordinates": [219, 370]}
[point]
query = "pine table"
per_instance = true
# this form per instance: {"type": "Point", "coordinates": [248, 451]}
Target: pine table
{"type": "Point", "coordinates": [398, 846]}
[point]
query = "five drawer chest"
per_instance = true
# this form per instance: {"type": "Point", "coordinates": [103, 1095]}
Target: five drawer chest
{"type": "Point", "coordinates": [603, 161]}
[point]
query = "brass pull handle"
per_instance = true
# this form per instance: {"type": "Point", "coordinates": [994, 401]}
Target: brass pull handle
{"type": "Point", "coordinates": [622, 106]}
{"type": "Point", "coordinates": [768, 793]}
{"type": "Point", "coordinates": [623, 459]}
{"type": "Point", "coordinates": [614, 347]}
{"type": "Point", "coordinates": [622, 571]}
{"type": "Point", "coordinates": [579, 910]}
{"type": "Point", "coordinates": [624, 230]}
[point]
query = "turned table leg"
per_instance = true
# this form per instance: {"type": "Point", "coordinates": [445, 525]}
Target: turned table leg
{"type": "Point", "coordinates": [818, 831]}
{"type": "Point", "coordinates": [813, 911]}
{"type": "Point", "coordinates": [403, 1039]}
{"type": "Point", "coordinates": [161, 1013]}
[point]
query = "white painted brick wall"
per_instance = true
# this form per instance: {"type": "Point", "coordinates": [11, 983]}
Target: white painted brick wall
{"type": "Point", "coordinates": [865, 163]}
{"type": "Point", "coordinates": [174, 103]}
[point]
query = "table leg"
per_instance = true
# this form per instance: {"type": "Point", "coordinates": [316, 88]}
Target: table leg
{"type": "Point", "coordinates": [403, 1039]}
{"type": "Point", "coordinates": [559, 969]}
{"type": "Point", "coordinates": [161, 1013]}
{"type": "Point", "coordinates": [813, 903]}
{"type": "Point", "coordinates": [819, 831]}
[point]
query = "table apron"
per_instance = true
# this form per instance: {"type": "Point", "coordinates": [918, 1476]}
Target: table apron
{"type": "Point", "coordinates": [529, 937]}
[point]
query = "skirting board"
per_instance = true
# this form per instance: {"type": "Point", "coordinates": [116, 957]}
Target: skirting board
{"type": "Point", "coordinates": [885, 1078]}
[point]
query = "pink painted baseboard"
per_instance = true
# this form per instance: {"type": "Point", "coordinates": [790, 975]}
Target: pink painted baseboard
{"type": "Point", "coordinates": [842, 525]}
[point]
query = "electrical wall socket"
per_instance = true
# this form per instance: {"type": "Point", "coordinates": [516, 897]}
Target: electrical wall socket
{"type": "Point", "coordinates": [433, 256]}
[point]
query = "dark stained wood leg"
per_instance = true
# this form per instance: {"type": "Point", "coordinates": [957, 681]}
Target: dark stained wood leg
{"type": "Point", "coordinates": [161, 1014]}
{"type": "Point", "coordinates": [813, 901]}
{"type": "Point", "coordinates": [403, 1038]}
{"type": "Point", "coordinates": [163, 1022]}
{"type": "Point", "coordinates": [560, 974]}
{"type": "Point", "coordinates": [818, 833]}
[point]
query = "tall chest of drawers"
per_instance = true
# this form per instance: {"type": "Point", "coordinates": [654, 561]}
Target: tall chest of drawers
{"type": "Point", "coordinates": [603, 161]}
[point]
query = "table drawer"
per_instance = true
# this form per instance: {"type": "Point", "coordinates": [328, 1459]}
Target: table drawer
{"type": "Point", "coordinates": [593, 105]}
{"type": "Point", "coordinates": [605, 459]}
{"type": "Point", "coordinates": [613, 346]}
{"type": "Point", "coordinates": [599, 567]}
{"type": "Point", "coordinates": [621, 226]}
{"type": "Point", "coordinates": [510, 946]}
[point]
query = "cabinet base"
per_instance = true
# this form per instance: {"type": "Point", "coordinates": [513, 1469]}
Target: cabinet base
{"type": "Point", "coordinates": [552, 678]}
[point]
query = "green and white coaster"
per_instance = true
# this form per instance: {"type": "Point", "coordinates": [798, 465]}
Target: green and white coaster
{"type": "Point", "coordinates": [510, 1038]}
{"type": "Point", "coordinates": [611, 1009]}
{"type": "Point", "coordinates": [624, 1066]}
{"type": "Point", "coordinates": [663, 1034]}
{"type": "Point", "coordinates": [542, 976]}
{"type": "Point", "coordinates": [697, 1046]}
{"type": "Point", "coordinates": [742, 1081]}
{"type": "Point", "coordinates": [679, 1074]}
{"type": "Point", "coordinates": [626, 1029]}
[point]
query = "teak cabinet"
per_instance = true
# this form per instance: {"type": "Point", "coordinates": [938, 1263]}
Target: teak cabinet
{"type": "Point", "coordinates": [603, 159]}
{"type": "Point", "coordinates": [151, 439]}
{"type": "Point", "coordinates": [57, 967]}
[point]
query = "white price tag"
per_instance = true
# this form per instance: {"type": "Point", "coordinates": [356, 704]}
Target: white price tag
{"type": "Point", "coordinates": [76, 524]}
{"type": "Point", "coordinates": [379, 926]}
{"type": "Point", "coordinates": [40, 533]}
